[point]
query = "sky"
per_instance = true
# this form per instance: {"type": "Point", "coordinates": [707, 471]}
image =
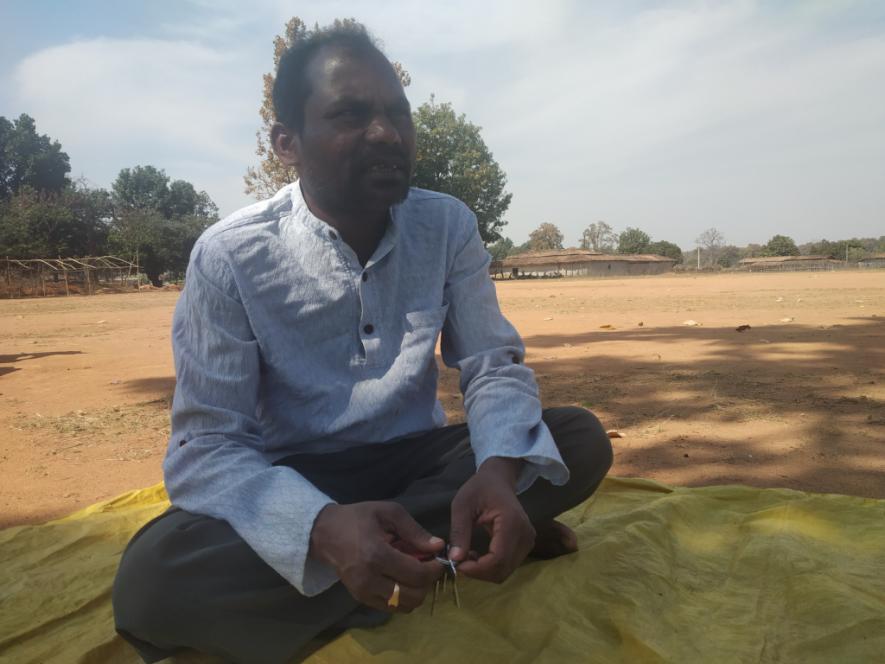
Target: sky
{"type": "Point", "coordinates": [755, 118]}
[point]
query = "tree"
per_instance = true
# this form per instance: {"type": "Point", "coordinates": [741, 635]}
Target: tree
{"type": "Point", "coordinates": [850, 250]}
{"type": "Point", "coordinates": [141, 188]}
{"type": "Point", "coordinates": [521, 248]}
{"type": "Point", "coordinates": [30, 159]}
{"type": "Point", "coordinates": [711, 240]}
{"type": "Point", "coordinates": [729, 256]}
{"type": "Point", "coordinates": [453, 158]}
{"type": "Point", "coordinates": [500, 249]}
{"type": "Point", "coordinates": [599, 237]}
{"type": "Point", "coordinates": [545, 237]}
{"type": "Point", "coordinates": [781, 245]}
{"type": "Point", "coordinates": [633, 241]}
{"type": "Point", "coordinates": [668, 249]}
{"type": "Point", "coordinates": [74, 222]}
{"type": "Point", "coordinates": [158, 220]}
{"type": "Point", "coordinates": [752, 251]}
{"type": "Point", "coordinates": [270, 175]}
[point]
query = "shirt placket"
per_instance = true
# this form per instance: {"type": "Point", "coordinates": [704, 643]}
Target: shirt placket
{"type": "Point", "coordinates": [369, 332]}
{"type": "Point", "coordinates": [371, 323]}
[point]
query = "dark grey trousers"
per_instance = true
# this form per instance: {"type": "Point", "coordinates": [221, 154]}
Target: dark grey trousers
{"type": "Point", "coordinates": [189, 581]}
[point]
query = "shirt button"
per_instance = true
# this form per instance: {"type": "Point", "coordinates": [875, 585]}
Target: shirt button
{"type": "Point", "coordinates": [365, 276]}
{"type": "Point", "coordinates": [368, 328]}
{"type": "Point", "coordinates": [333, 235]}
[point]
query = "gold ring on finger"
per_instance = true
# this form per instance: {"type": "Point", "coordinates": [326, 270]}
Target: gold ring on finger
{"type": "Point", "coordinates": [393, 600]}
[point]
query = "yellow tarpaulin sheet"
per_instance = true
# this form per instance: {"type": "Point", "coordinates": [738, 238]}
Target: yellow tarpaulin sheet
{"type": "Point", "coordinates": [717, 574]}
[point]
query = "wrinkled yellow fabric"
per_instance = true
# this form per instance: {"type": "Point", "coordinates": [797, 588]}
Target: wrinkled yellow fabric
{"type": "Point", "coordinates": [715, 574]}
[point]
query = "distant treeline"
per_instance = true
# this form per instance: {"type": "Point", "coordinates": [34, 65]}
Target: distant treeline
{"type": "Point", "coordinates": [711, 245]}
{"type": "Point", "coordinates": [44, 214]}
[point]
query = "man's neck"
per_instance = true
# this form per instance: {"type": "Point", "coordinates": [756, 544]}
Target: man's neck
{"type": "Point", "coordinates": [361, 230]}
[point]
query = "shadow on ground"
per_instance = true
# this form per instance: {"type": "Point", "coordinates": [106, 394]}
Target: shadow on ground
{"type": "Point", "coordinates": [788, 405]}
{"type": "Point", "coordinates": [745, 407]}
{"type": "Point", "coordinates": [155, 386]}
{"type": "Point", "coordinates": [18, 357]}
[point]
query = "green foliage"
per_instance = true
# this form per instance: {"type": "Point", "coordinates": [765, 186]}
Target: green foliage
{"type": "Point", "coordinates": [599, 236]}
{"type": "Point", "coordinates": [633, 241]}
{"type": "Point", "coordinates": [668, 249]}
{"type": "Point", "coordinates": [157, 220]}
{"type": "Point", "coordinates": [853, 249]}
{"type": "Point", "coordinates": [148, 188]}
{"type": "Point", "coordinates": [545, 237]}
{"type": "Point", "coordinates": [42, 214]}
{"type": "Point", "coordinates": [36, 224]}
{"type": "Point", "coordinates": [729, 256]}
{"type": "Point", "coordinates": [28, 159]}
{"type": "Point", "coordinates": [781, 245]}
{"type": "Point", "coordinates": [453, 158]}
{"type": "Point", "coordinates": [521, 248]}
{"type": "Point", "coordinates": [501, 249]}
{"type": "Point", "coordinates": [752, 251]}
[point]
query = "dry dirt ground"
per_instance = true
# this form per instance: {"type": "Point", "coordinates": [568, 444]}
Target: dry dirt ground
{"type": "Point", "coordinates": [797, 400]}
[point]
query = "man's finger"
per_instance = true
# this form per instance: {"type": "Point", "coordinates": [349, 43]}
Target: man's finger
{"type": "Point", "coordinates": [489, 567]}
{"type": "Point", "coordinates": [405, 568]}
{"type": "Point", "coordinates": [461, 530]}
{"type": "Point", "coordinates": [411, 532]}
{"type": "Point", "coordinates": [503, 557]}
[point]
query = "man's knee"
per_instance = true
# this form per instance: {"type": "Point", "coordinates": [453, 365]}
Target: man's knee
{"type": "Point", "coordinates": [144, 594]}
{"type": "Point", "coordinates": [583, 444]}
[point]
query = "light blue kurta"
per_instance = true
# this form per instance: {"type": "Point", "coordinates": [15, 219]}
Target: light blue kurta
{"type": "Point", "coordinates": [285, 344]}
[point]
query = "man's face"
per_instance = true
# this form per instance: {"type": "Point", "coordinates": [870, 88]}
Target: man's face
{"type": "Point", "coordinates": [357, 147]}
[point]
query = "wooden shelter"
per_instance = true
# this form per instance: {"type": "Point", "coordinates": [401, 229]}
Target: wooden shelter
{"type": "Point", "coordinates": [36, 277]}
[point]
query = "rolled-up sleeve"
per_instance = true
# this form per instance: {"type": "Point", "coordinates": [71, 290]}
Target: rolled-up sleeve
{"type": "Point", "coordinates": [215, 465]}
{"type": "Point", "coordinates": [500, 393]}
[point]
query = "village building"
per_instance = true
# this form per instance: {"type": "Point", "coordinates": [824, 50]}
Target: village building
{"type": "Point", "coordinates": [580, 262]}
{"type": "Point", "coordinates": [874, 261]}
{"type": "Point", "coordinates": [789, 263]}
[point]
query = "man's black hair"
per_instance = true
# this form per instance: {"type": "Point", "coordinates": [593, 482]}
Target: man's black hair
{"type": "Point", "coordinates": [291, 86]}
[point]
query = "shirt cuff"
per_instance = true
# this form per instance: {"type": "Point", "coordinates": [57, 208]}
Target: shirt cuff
{"type": "Point", "coordinates": [550, 468]}
{"type": "Point", "coordinates": [316, 576]}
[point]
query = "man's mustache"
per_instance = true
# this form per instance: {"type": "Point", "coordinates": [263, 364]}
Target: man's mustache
{"type": "Point", "coordinates": [389, 157]}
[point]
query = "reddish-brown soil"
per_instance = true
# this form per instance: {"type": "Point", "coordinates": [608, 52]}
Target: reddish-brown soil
{"type": "Point", "coordinates": [797, 400]}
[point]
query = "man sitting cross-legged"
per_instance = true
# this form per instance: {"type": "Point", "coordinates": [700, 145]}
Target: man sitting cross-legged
{"type": "Point", "coordinates": [309, 459]}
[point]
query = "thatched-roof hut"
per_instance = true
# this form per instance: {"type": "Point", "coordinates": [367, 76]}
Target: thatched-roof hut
{"type": "Point", "coordinates": [874, 261]}
{"type": "Point", "coordinates": [789, 263]}
{"type": "Point", "coordinates": [569, 262]}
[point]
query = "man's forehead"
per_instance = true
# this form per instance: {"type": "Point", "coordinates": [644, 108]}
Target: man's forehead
{"type": "Point", "coordinates": [341, 72]}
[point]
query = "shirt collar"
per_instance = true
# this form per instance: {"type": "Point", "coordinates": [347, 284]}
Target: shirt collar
{"type": "Point", "coordinates": [301, 213]}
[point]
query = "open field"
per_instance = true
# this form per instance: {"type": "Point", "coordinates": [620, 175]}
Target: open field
{"type": "Point", "coordinates": [796, 401]}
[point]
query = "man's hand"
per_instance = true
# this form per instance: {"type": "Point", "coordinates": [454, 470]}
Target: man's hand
{"type": "Point", "coordinates": [489, 499]}
{"type": "Point", "coordinates": [364, 542]}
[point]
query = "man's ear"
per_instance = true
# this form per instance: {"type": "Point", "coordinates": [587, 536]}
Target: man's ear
{"type": "Point", "coordinates": [286, 144]}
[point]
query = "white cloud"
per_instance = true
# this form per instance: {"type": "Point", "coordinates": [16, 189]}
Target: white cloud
{"type": "Point", "coordinates": [741, 115]}
{"type": "Point", "coordinates": [118, 103]}
{"type": "Point", "coordinates": [675, 120]}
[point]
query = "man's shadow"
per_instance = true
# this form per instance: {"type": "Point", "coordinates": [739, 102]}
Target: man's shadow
{"type": "Point", "coordinates": [18, 357]}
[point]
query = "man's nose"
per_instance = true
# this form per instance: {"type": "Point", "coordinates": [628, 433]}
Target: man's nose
{"type": "Point", "coordinates": [382, 130]}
